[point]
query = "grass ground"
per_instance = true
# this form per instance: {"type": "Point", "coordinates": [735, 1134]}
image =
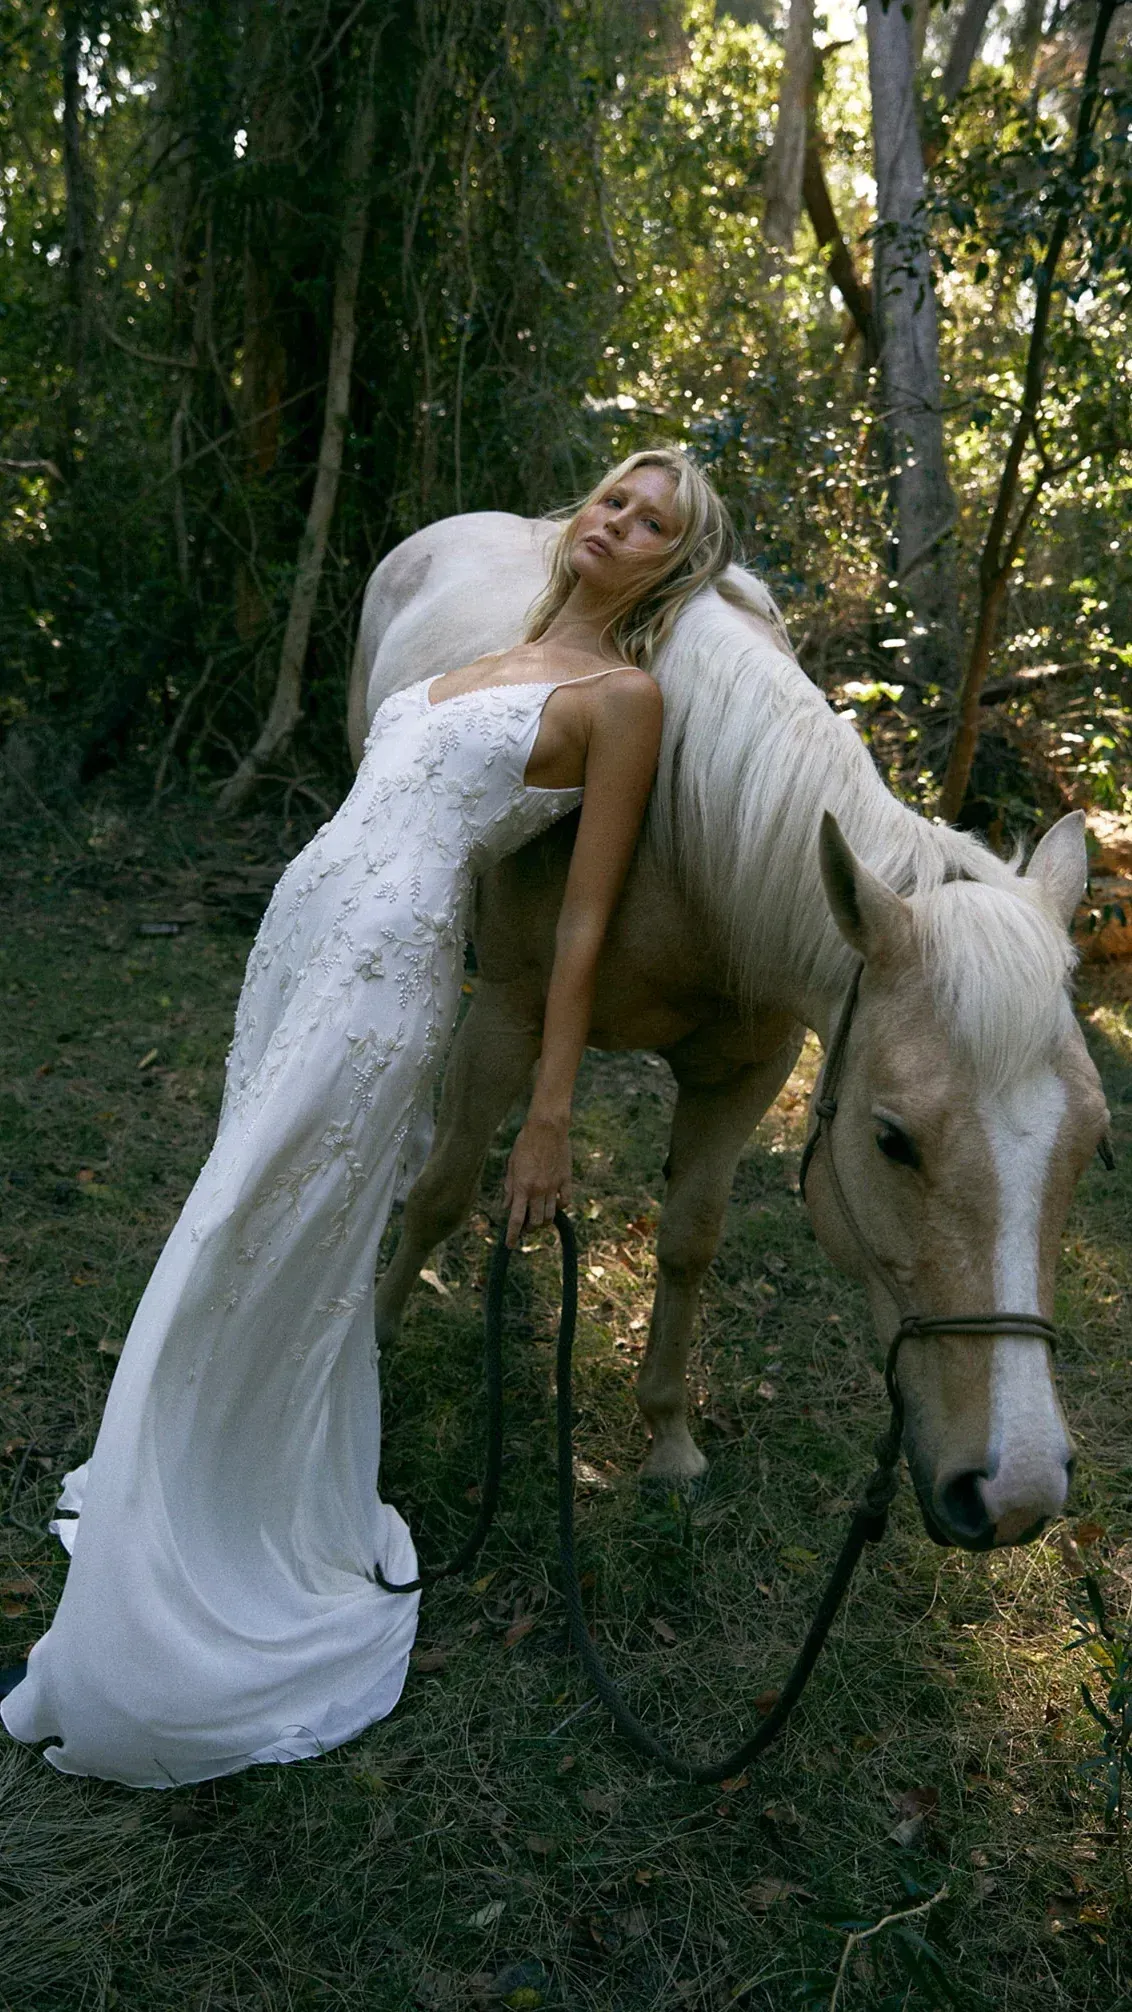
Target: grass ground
{"type": "Point", "coordinates": [492, 1843]}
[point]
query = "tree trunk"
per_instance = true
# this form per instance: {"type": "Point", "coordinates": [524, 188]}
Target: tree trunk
{"type": "Point", "coordinates": [904, 303]}
{"type": "Point", "coordinates": [1027, 38]}
{"type": "Point", "coordinates": [969, 31]}
{"type": "Point", "coordinates": [1004, 541]}
{"type": "Point", "coordinates": [784, 168]}
{"type": "Point", "coordinates": [286, 711]}
{"type": "Point", "coordinates": [271, 141]}
{"type": "Point", "coordinates": [77, 237]}
{"type": "Point", "coordinates": [827, 230]}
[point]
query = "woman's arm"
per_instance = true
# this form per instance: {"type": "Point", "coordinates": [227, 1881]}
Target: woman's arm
{"type": "Point", "coordinates": [621, 762]}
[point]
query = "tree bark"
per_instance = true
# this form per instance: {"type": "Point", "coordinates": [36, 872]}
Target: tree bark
{"type": "Point", "coordinates": [967, 41]}
{"type": "Point", "coordinates": [827, 230]}
{"type": "Point", "coordinates": [77, 235]}
{"type": "Point", "coordinates": [286, 705]}
{"type": "Point", "coordinates": [924, 512]}
{"type": "Point", "coordinates": [1027, 38]}
{"type": "Point", "coordinates": [1004, 541]}
{"type": "Point", "coordinates": [785, 166]}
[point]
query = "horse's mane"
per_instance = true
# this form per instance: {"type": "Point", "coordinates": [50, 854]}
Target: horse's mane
{"type": "Point", "coordinates": [751, 757]}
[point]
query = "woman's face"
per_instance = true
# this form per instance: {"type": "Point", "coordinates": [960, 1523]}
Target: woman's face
{"type": "Point", "coordinates": [633, 523]}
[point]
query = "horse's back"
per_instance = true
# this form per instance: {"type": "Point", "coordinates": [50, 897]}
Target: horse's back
{"type": "Point", "coordinates": [446, 595]}
{"type": "Point", "coordinates": [464, 586]}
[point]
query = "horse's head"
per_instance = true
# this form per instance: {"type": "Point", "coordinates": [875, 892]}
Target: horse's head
{"type": "Point", "coordinates": [966, 1110]}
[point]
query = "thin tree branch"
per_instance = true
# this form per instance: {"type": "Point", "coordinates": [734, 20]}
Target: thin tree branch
{"type": "Point", "coordinates": [860, 1935]}
{"type": "Point", "coordinates": [1003, 544]}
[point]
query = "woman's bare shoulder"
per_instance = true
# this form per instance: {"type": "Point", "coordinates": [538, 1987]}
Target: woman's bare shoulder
{"type": "Point", "coordinates": [630, 692]}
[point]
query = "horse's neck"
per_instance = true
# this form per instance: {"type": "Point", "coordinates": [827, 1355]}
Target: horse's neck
{"type": "Point", "coordinates": [753, 755]}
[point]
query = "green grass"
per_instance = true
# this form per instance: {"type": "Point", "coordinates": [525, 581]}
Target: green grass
{"type": "Point", "coordinates": [493, 1843]}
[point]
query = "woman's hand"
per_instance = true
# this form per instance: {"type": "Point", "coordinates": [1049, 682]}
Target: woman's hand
{"type": "Point", "coordinates": [538, 1176]}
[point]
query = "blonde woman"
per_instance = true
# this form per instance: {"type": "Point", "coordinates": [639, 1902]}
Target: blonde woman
{"type": "Point", "coordinates": [221, 1606]}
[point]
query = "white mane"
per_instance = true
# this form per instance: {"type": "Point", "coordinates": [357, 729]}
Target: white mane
{"type": "Point", "coordinates": [752, 754]}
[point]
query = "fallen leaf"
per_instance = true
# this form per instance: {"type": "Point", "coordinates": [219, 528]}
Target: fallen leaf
{"type": "Point", "coordinates": [522, 1987]}
{"type": "Point", "coordinates": [1089, 1533]}
{"type": "Point", "coordinates": [481, 1585]}
{"type": "Point", "coordinates": [484, 1916]}
{"type": "Point", "coordinates": [567, 1764]}
{"type": "Point", "coordinates": [18, 1586]}
{"type": "Point", "coordinates": [45, 1069]}
{"type": "Point", "coordinates": [517, 1630]}
{"type": "Point", "coordinates": [427, 1660]}
{"type": "Point", "coordinates": [916, 1802]}
{"type": "Point", "coordinates": [912, 1808]}
{"type": "Point", "coordinates": [109, 1345]}
{"type": "Point", "coordinates": [540, 1846]}
{"type": "Point", "coordinates": [1094, 1913]}
{"type": "Point", "coordinates": [765, 1701]}
{"type": "Point", "coordinates": [438, 1991]}
{"type": "Point", "coordinates": [782, 1815]}
{"type": "Point", "coordinates": [724, 1421]}
{"type": "Point", "coordinates": [84, 1176]}
{"type": "Point", "coordinates": [590, 1476]}
{"type": "Point", "coordinates": [666, 1633]}
{"type": "Point", "coordinates": [768, 1893]}
{"type": "Point", "coordinates": [633, 1922]}
{"type": "Point", "coordinates": [13, 1610]}
{"type": "Point", "coordinates": [434, 1279]}
{"type": "Point", "coordinates": [83, 1278]}
{"type": "Point", "coordinates": [602, 1801]}
{"type": "Point", "coordinates": [767, 1392]}
{"type": "Point", "coordinates": [796, 1558]}
{"type": "Point", "coordinates": [150, 1056]}
{"type": "Point", "coordinates": [734, 1783]}
{"type": "Point", "coordinates": [1072, 1557]}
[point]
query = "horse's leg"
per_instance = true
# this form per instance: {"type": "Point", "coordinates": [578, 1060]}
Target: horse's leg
{"type": "Point", "coordinates": [489, 1067]}
{"type": "Point", "coordinates": [712, 1122]}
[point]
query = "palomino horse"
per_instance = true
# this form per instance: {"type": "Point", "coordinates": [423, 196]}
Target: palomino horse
{"type": "Point", "coordinates": [968, 1105]}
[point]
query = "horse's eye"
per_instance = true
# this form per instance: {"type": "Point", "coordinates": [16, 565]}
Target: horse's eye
{"type": "Point", "coordinates": [897, 1146]}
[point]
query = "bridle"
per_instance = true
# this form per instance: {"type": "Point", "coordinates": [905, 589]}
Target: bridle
{"type": "Point", "coordinates": [912, 1325]}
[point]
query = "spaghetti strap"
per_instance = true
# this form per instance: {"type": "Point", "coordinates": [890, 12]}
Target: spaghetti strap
{"type": "Point", "coordinates": [589, 677]}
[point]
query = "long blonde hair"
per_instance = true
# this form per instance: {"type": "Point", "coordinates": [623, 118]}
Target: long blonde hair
{"type": "Point", "coordinates": [704, 547]}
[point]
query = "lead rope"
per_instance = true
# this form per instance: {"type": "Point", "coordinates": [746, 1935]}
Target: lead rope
{"type": "Point", "coordinates": [867, 1527]}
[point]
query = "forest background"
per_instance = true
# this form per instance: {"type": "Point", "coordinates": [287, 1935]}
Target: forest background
{"type": "Point", "coordinates": [283, 280]}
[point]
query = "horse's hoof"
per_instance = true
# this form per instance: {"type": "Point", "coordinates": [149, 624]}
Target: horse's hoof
{"type": "Point", "coordinates": [682, 1467]}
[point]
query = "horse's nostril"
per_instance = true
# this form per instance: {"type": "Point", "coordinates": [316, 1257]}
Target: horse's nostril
{"type": "Point", "coordinates": [963, 1510]}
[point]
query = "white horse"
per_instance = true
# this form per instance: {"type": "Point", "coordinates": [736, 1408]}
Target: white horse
{"type": "Point", "coordinates": [968, 1105]}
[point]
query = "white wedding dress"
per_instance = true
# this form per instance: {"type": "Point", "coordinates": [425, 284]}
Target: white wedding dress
{"type": "Point", "coordinates": [220, 1607]}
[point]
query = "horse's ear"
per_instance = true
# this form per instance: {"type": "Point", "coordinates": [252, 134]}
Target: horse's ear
{"type": "Point", "coordinates": [872, 919]}
{"type": "Point", "coordinates": [1060, 865]}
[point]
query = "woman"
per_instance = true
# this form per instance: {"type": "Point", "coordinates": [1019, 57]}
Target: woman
{"type": "Point", "coordinates": [221, 1606]}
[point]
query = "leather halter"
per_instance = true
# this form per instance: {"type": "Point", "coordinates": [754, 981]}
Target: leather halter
{"type": "Point", "coordinates": [1025, 1326]}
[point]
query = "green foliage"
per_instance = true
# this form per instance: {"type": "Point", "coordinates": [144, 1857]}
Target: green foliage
{"type": "Point", "coordinates": [564, 260]}
{"type": "Point", "coordinates": [1108, 1642]}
